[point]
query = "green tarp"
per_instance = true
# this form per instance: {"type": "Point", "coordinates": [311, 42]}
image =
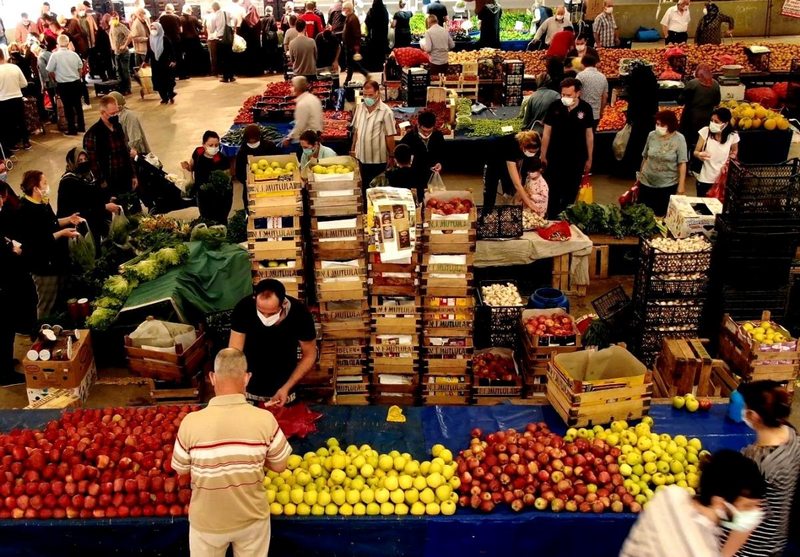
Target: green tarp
{"type": "Point", "coordinates": [210, 281]}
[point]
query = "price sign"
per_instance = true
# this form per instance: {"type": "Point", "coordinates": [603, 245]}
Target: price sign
{"type": "Point", "coordinates": [519, 26]}
{"type": "Point", "coordinates": [507, 129]}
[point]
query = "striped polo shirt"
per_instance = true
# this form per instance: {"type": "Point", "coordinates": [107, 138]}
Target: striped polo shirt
{"type": "Point", "coordinates": [225, 447]}
{"type": "Point", "coordinates": [779, 464]}
{"type": "Point", "coordinates": [372, 129]}
{"type": "Point", "coordinates": [670, 526]}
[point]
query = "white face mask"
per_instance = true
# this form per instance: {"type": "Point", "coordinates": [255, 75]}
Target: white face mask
{"type": "Point", "coordinates": [153, 33]}
{"type": "Point", "coordinates": [46, 191]}
{"type": "Point", "coordinates": [559, 18]}
{"type": "Point", "coordinates": [268, 321]}
{"type": "Point", "coordinates": [741, 521]}
{"type": "Point", "coordinates": [580, 47]}
{"type": "Point", "coordinates": [705, 11]}
{"type": "Point", "coordinates": [661, 130]}
{"type": "Point", "coordinates": [609, 10]}
{"type": "Point", "coordinates": [81, 13]}
{"type": "Point", "coordinates": [212, 151]}
{"type": "Point", "coordinates": [714, 127]}
{"type": "Point", "coordinates": [567, 101]}
{"type": "Point", "coordinates": [531, 153]}
{"type": "Point", "coordinates": [254, 145]}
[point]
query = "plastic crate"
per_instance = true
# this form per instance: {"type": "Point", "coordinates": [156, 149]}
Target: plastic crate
{"type": "Point", "coordinates": [768, 239]}
{"type": "Point", "coordinates": [665, 313]}
{"type": "Point", "coordinates": [744, 304]}
{"type": "Point", "coordinates": [653, 261]}
{"type": "Point", "coordinates": [502, 221]}
{"type": "Point", "coordinates": [612, 305]}
{"type": "Point", "coordinates": [673, 286]}
{"type": "Point", "coordinates": [502, 321]}
{"type": "Point", "coordinates": [755, 189]}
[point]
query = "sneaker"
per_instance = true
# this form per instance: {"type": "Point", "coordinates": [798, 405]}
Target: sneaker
{"type": "Point", "coordinates": [27, 146]}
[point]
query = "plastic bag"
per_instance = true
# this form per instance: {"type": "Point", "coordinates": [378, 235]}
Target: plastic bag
{"type": "Point", "coordinates": [557, 232]}
{"type": "Point", "coordinates": [620, 142]}
{"type": "Point", "coordinates": [296, 420]}
{"type": "Point", "coordinates": [239, 44]}
{"type": "Point", "coordinates": [435, 183]}
{"type": "Point", "coordinates": [163, 334]}
{"type": "Point", "coordinates": [118, 231]}
{"type": "Point", "coordinates": [718, 189]}
{"type": "Point", "coordinates": [630, 197]}
{"type": "Point", "coordinates": [586, 193]}
{"type": "Point", "coordinates": [82, 250]}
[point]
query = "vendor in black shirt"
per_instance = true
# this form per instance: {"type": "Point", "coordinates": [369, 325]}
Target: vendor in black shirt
{"type": "Point", "coordinates": [328, 50]}
{"type": "Point", "coordinates": [268, 327]}
{"type": "Point", "coordinates": [439, 10]}
{"type": "Point", "coordinates": [567, 146]}
{"type": "Point", "coordinates": [427, 147]}
{"type": "Point", "coordinates": [403, 175]}
{"type": "Point", "coordinates": [206, 159]}
{"type": "Point", "coordinates": [252, 145]}
{"type": "Point", "coordinates": [508, 165]}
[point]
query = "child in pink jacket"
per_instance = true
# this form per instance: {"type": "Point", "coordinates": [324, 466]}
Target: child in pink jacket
{"type": "Point", "coordinates": [536, 188]}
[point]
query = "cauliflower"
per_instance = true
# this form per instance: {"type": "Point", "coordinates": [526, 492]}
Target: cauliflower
{"type": "Point", "coordinates": [119, 287]}
{"type": "Point", "coordinates": [108, 302]}
{"type": "Point", "coordinates": [101, 319]}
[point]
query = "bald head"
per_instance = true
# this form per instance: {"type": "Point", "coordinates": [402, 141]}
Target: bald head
{"type": "Point", "coordinates": [230, 374]}
{"type": "Point", "coordinates": [300, 84]}
{"type": "Point", "coordinates": [63, 41]}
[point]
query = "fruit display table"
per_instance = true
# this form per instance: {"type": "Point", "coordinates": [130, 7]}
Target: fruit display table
{"type": "Point", "coordinates": [466, 533]}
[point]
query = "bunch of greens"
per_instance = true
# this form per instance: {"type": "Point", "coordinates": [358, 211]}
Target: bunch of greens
{"type": "Point", "coordinates": [237, 227]}
{"type": "Point", "coordinates": [268, 135]}
{"type": "Point", "coordinates": [219, 184]}
{"type": "Point", "coordinates": [484, 127]}
{"type": "Point", "coordinates": [212, 236]}
{"type": "Point", "coordinates": [594, 218]}
{"type": "Point", "coordinates": [82, 252]}
{"type": "Point", "coordinates": [417, 24]}
{"type": "Point", "coordinates": [157, 232]}
{"type": "Point", "coordinates": [509, 19]}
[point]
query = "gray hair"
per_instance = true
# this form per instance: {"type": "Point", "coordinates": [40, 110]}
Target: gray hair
{"type": "Point", "coordinates": [347, 6]}
{"type": "Point", "coordinates": [63, 41]}
{"type": "Point", "coordinates": [169, 8]}
{"type": "Point", "coordinates": [230, 363]}
{"type": "Point", "coordinates": [215, 6]}
{"type": "Point", "coordinates": [300, 82]}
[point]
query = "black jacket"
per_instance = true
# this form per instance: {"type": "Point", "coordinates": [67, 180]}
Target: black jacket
{"type": "Point", "coordinates": [266, 148]}
{"type": "Point", "coordinates": [44, 255]}
{"type": "Point", "coordinates": [425, 156]}
{"type": "Point", "coordinates": [77, 195]}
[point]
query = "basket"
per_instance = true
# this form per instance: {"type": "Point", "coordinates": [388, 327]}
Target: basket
{"type": "Point", "coordinates": [755, 189]}
{"type": "Point", "coordinates": [500, 323]}
{"type": "Point", "coordinates": [612, 305]}
{"type": "Point", "coordinates": [673, 286]}
{"type": "Point", "coordinates": [500, 222]}
{"type": "Point", "coordinates": [653, 261]}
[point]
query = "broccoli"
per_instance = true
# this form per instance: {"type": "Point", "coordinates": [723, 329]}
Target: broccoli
{"type": "Point", "coordinates": [101, 319]}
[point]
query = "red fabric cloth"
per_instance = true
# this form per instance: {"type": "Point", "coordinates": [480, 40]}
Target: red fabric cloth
{"type": "Point", "coordinates": [561, 44]}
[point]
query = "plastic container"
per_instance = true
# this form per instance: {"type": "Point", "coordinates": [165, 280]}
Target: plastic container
{"type": "Point", "coordinates": [547, 298]}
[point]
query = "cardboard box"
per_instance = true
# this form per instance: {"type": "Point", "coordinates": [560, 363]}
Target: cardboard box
{"type": "Point", "coordinates": [692, 215]}
{"type": "Point", "coordinates": [61, 374]}
{"type": "Point", "coordinates": [81, 391]}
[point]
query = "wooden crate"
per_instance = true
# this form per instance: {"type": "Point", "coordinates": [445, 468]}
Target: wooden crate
{"type": "Point", "coordinates": [292, 278]}
{"type": "Point", "coordinates": [344, 320]}
{"type": "Point", "coordinates": [538, 352]}
{"type": "Point", "coordinates": [282, 160]}
{"type": "Point", "coordinates": [339, 244]}
{"type": "Point", "coordinates": [439, 390]}
{"type": "Point", "coordinates": [562, 278]}
{"type": "Point", "coordinates": [331, 287]}
{"type": "Point", "coordinates": [384, 279]}
{"type": "Point", "coordinates": [685, 367]}
{"type": "Point", "coordinates": [753, 361]}
{"type": "Point", "coordinates": [724, 382]}
{"type": "Point", "coordinates": [398, 359]}
{"type": "Point", "coordinates": [454, 234]}
{"type": "Point", "coordinates": [323, 182]}
{"type": "Point", "coordinates": [184, 364]}
{"type": "Point", "coordinates": [484, 388]}
{"type": "Point", "coordinates": [346, 202]}
{"type": "Point", "coordinates": [453, 280]}
{"type": "Point", "coordinates": [275, 244]}
{"type": "Point", "coordinates": [582, 402]}
{"type": "Point", "coordinates": [447, 360]}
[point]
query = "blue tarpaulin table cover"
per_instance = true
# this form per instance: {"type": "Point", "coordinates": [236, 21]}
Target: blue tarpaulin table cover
{"type": "Point", "coordinates": [465, 534]}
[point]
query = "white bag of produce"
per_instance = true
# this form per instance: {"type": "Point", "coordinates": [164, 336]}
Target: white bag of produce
{"type": "Point", "coordinates": [163, 334]}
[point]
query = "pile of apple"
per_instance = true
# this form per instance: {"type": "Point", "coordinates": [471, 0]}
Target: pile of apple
{"type": "Point", "coordinates": [766, 332]}
{"type": "Point", "coordinates": [105, 463]}
{"type": "Point", "coordinates": [691, 403]}
{"type": "Point", "coordinates": [455, 206]}
{"type": "Point", "coordinates": [539, 469]}
{"type": "Point", "coordinates": [493, 367]}
{"type": "Point", "coordinates": [359, 481]}
{"type": "Point", "coordinates": [555, 325]}
{"type": "Point", "coordinates": [647, 461]}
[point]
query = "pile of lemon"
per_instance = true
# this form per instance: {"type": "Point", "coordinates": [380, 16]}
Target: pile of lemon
{"type": "Point", "coordinates": [358, 481]}
{"type": "Point", "coordinates": [264, 170]}
{"type": "Point", "coordinates": [332, 169]}
{"type": "Point", "coordinates": [753, 116]}
{"type": "Point", "coordinates": [764, 332]}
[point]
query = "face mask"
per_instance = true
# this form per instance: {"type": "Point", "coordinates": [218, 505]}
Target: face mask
{"type": "Point", "coordinates": [309, 151]}
{"type": "Point", "coordinates": [268, 321]}
{"type": "Point", "coordinates": [661, 130]}
{"type": "Point", "coordinates": [609, 10]}
{"type": "Point", "coordinates": [114, 119]}
{"type": "Point", "coordinates": [254, 145]}
{"type": "Point", "coordinates": [212, 150]}
{"type": "Point", "coordinates": [567, 101]}
{"type": "Point", "coordinates": [531, 154]}
{"type": "Point", "coordinates": [83, 167]}
{"type": "Point", "coordinates": [114, 22]}
{"type": "Point", "coordinates": [559, 18]}
{"type": "Point", "coordinates": [580, 47]}
{"type": "Point", "coordinates": [369, 101]}
{"type": "Point", "coordinates": [153, 33]}
{"type": "Point", "coordinates": [425, 135]}
{"type": "Point", "coordinates": [714, 127]}
{"type": "Point", "coordinates": [46, 191]}
{"type": "Point", "coordinates": [741, 521]}
{"type": "Point", "coordinates": [81, 14]}
{"type": "Point", "coordinates": [705, 11]}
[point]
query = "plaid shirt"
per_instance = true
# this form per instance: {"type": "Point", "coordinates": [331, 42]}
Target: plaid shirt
{"type": "Point", "coordinates": [371, 131]}
{"type": "Point", "coordinates": [109, 156]}
{"type": "Point", "coordinates": [605, 25]}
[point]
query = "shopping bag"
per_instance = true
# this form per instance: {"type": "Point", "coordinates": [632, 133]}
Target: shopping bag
{"type": "Point", "coordinates": [631, 196]}
{"type": "Point", "coordinates": [557, 232]}
{"type": "Point", "coordinates": [586, 193]}
{"type": "Point", "coordinates": [239, 44]}
{"type": "Point", "coordinates": [718, 189]}
{"type": "Point", "coordinates": [435, 183]}
{"type": "Point", "coordinates": [620, 142]}
{"type": "Point", "coordinates": [146, 80]}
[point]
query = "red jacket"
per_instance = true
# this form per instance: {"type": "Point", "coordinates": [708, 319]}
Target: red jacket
{"type": "Point", "coordinates": [561, 44]}
{"type": "Point", "coordinates": [313, 24]}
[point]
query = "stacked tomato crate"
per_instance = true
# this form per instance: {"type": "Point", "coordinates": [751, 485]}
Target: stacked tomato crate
{"type": "Point", "coordinates": [449, 233]}
{"type": "Point", "coordinates": [395, 306]}
{"type": "Point", "coordinates": [340, 273]}
{"type": "Point", "coordinates": [274, 230]}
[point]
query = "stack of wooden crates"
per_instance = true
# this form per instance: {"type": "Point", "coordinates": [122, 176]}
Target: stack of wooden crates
{"type": "Point", "coordinates": [448, 244]}
{"type": "Point", "coordinates": [340, 271]}
{"type": "Point", "coordinates": [396, 320]}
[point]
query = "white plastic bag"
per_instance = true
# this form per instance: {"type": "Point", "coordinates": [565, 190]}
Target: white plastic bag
{"type": "Point", "coordinates": [435, 183]}
{"type": "Point", "coordinates": [239, 44]}
{"type": "Point", "coordinates": [620, 142]}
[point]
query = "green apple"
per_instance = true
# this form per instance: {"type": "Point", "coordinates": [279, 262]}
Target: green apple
{"type": "Point", "coordinates": [692, 405]}
{"type": "Point", "coordinates": [678, 402]}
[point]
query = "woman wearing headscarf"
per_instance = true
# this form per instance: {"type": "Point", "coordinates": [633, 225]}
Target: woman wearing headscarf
{"type": "Point", "coordinates": [641, 88]}
{"type": "Point", "coordinates": [698, 98]}
{"type": "Point", "coordinates": [78, 192]}
{"type": "Point", "coordinates": [250, 31]}
{"type": "Point", "coordinates": [161, 56]}
{"type": "Point", "coordinates": [377, 45]}
{"type": "Point", "coordinates": [709, 28]}
{"type": "Point", "coordinates": [270, 46]}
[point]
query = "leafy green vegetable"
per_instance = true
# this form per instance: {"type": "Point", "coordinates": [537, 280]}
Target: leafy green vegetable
{"type": "Point", "coordinates": [594, 218]}
{"type": "Point", "coordinates": [212, 236]}
{"type": "Point", "coordinates": [149, 269]}
{"type": "Point", "coordinates": [119, 287]}
{"type": "Point", "coordinates": [219, 182]}
{"type": "Point", "coordinates": [639, 220]}
{"type": "Point", "coordinates": [172, 257]}
{"type": "Point", "coordinates": [483, 127]}
{"type": "Point", "coordinates": [108, 302]}
{"type": "Point", "coordinates": [82, 251]}
{"type": "Point", "coordinates": [101, 319]}
{"type": "Point", "coordinates": [237, 227]}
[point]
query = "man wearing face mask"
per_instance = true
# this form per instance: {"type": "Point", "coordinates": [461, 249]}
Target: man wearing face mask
{"type": "Point", "coordinates": [552, 25]}
{"type": "Point", "coordinates": [606, 33]}
{"type": "Point", "coordinates": [252, 145]}
{"type": "Point", "coordinates": [427, 147]}
{"type": "Point", "coordinates": [730, 494]}
{"type": "Point", "coordinates": [567, 145]}
{"type": "Point", "coordinates": [675, 23]}
{"type": "Point", "coordinates": [132, 126]}
{"type": "Point", "coordinates": [109, 154]}
{"type": "Point", "coordinates": [373, 134]}
{"type": "Point", "coordinates": [268, 327]}
{"type": "Point", "coordinates": [307, 111]}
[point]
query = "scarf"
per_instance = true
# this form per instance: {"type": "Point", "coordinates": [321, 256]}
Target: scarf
{"type": "Point", "coordinates": [157, 42]}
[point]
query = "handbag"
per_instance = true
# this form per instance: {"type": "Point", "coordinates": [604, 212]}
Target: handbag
{"type": "Point", "coordinates": [620, 142]}
{"type": "Point", "coordinates": [631, 196]}
{"type": "Point", "coordinates": [586, 193]}
{"type": "Point", "coordinates": [227, 31]}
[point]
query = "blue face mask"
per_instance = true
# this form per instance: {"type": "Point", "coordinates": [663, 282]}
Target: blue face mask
{"type": "Point", "coordinates": [369, 101]}
{"type": "Point", "coordinates": [308, 151]}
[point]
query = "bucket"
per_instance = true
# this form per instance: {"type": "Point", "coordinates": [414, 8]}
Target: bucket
{"type": "Point", "coordinates": [548, 298]}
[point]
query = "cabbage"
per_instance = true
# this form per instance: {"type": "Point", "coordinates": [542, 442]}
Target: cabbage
{"type": "Point", "coordinates": [101, 318]}
{"type": "Point", "coordinates": [108, 302]}
{"type": "Point", "coordinates": [171, 257]}
{"type": "Point", "coordinates": [119, 287]}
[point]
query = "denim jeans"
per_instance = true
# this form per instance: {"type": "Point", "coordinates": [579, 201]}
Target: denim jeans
{"type": "Point", "coordinates": [124, 71]}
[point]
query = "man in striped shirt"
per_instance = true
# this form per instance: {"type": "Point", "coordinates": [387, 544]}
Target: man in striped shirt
{"type": "Point", "coordinates": [373, 134]}
{"type": "Point", "coordinates": [225, 447]}
{"type": "Point", "coordinates": [676, 525]}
